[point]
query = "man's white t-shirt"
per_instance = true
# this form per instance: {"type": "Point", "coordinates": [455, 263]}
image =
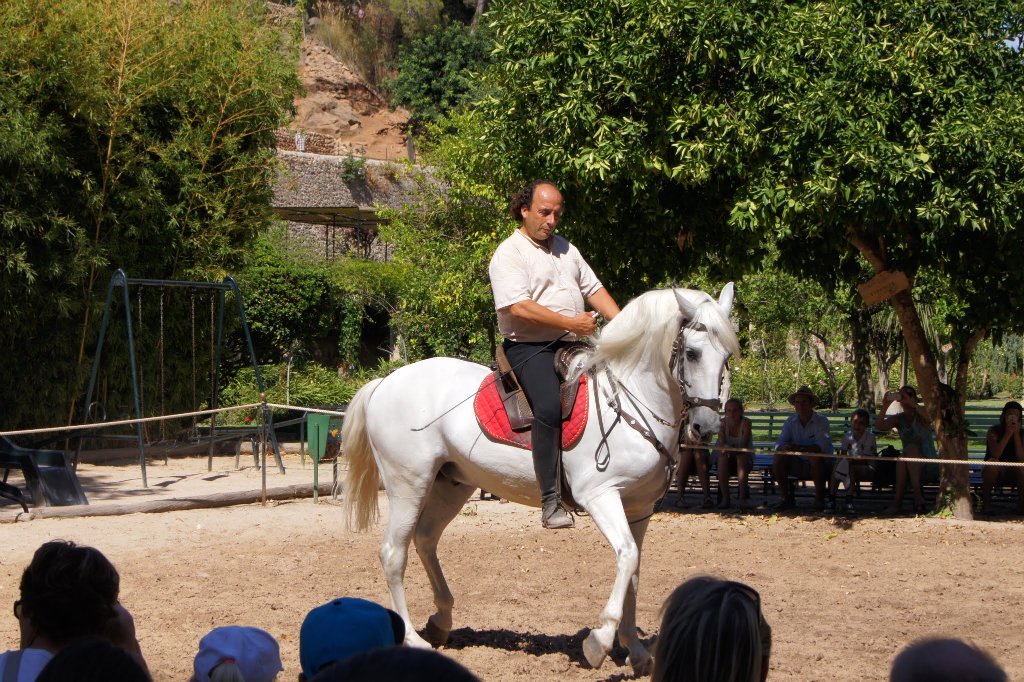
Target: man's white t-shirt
{"type": "Point", "coordinates": [557, 278]}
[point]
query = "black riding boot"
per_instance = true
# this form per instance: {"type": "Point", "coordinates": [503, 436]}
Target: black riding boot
{"type": "Point", "coordinates": [546, 447]}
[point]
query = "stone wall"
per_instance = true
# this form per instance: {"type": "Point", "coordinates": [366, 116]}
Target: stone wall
{"type": "Point", "coordinates": [321, 180]}
{"type": "Point", "coordinates": [311, 180]}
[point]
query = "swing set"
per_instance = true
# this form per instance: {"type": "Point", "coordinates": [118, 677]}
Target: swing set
{"type": "Point", "coordinates": [95, 412]}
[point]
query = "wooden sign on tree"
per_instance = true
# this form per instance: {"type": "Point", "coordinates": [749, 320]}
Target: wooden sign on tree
{"type": "Point", "coordinates": [883, 286]}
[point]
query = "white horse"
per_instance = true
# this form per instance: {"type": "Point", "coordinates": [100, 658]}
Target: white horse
{"type": "Point", "coordinates": [657, 364]}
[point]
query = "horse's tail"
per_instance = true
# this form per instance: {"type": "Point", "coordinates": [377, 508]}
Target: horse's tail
{"type": "Point", "coordinates": [362, 482]}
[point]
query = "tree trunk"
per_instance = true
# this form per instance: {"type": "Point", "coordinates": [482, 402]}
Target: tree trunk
{"type": "Point", "coordinates": [954, 485]}
{"type": "Point", "coordinates": [481, 7]}
{"type": "Point", "coordinates": [861, 359]}
{"type": "Point", "coordinates": [767, 374]}
{"type": "Point", "coordinates": [830, 376]}
{"type": "Point", "coordinates": [904, 363]}
{"type": "Point", "coordinates": [941, 402]}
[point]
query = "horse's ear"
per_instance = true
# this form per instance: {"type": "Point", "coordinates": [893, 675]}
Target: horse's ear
{"type": "Point", "coordinates": [725, 298]}
{"type": "Point", "coordinates": [686, 307]}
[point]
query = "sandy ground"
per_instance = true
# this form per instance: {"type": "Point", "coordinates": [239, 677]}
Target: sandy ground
{"type": "Point", "coordinates": [842, 595]}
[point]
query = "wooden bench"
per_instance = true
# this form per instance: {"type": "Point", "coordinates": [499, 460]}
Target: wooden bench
{"type": "Point", "coordinates": [767, 425]}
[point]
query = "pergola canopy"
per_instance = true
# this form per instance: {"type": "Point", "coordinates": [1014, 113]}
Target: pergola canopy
{"type": "Point", "coordinates": [334, 216]}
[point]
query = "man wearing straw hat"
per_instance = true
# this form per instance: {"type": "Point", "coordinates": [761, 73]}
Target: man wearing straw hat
{"type": "Point", "coordinates": [805, 431]}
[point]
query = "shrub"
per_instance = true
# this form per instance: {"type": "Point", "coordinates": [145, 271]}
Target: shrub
{"type": "Point", "coordinates": [310, 384]}
{"type": "Point", "coordinates": [754, 382]}
{"type": "Point", "coordinates": [367, 43]}
{"type": "Point", "coordinates": [435, 72]}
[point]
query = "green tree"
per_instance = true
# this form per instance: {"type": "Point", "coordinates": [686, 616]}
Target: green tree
{"type": "Point", "coordinates": [444, 243]}
{"type": "Point", "coordinates": [135, 134]}
{"type": "Point", "coordinates": [437, 72]}
{"type": "Point", "coordinates": [777, 308]}
{"type": "Point", "coordinates": [850, 133]}
{"type": "Point", "coordinates": [312, 308]}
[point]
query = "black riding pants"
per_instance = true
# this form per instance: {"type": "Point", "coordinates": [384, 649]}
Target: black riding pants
{"type": "Point", "coordinates": [534, 365]}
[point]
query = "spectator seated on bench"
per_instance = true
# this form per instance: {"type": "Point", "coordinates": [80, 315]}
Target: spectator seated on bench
{"type": "Point", "coordinates": [688, 459]}
{"type": "Point", "coordinates": [858, 441]}
{"type": "Point", "coordinates": [918, 441]}
{"type": "Point", "coordinates": [735, 432]}
{"type": "Point", "coordinates": [1004, 443]}
{"type": "Point", "coordinates": [805, 431]}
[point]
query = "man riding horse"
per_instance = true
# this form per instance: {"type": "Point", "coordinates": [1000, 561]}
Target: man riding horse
{"type": "Point", "coordinates": [540, 283]}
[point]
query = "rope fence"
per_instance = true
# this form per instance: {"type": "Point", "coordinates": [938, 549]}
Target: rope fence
{"type": "Point", "coordinates": [867, 458]}
{"type": "Point", "coordinates": [262, 429]}
{"type": "Point", "coordinates": [179, 415]}
{"type": "Point", "coordinates": [310, 410]}
{"type": "Point", "coordinates": [123, 422]}
{"type": "Point", "coordinates": [341, 413]}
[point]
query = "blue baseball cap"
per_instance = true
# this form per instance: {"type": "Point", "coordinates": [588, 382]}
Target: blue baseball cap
{"type": "Point", "coordinates": [254, 651]}
{"type": "Point", "coordinates": [345, 627]}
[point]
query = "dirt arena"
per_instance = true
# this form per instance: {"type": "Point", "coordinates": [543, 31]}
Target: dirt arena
{"type": "Point", "coordinates": [842, 595]}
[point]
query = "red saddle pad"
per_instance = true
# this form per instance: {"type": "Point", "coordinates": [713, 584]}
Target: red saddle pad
{"type": "Point", "coordinates": [490, 413]}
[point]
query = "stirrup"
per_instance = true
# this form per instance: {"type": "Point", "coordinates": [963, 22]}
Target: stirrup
{"type": "Point", "coordinates": [553, 517]}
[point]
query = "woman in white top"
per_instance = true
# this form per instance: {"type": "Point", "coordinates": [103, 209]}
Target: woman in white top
{"type": "Point", "coordinates": [735, 432]}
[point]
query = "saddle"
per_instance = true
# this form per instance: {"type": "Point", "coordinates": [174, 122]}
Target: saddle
{"type": "Point", "coordinates": [520, 415]}
{"type": "Point", "coordinates": [504, 413]}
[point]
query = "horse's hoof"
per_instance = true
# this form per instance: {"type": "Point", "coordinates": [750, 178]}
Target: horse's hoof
{"type": "Point", "coordinates": [412, 639]}
{"type": "Point", "coordinates": [641, 666]}
{"type": "Point", "coordinates": [437, 636]}
{"type": "Point", "coordinates": [593, 651]}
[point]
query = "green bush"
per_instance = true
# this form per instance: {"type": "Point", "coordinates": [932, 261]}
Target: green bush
{"type": "Point", "coordinates": [366, 43]}
{"type": "Point", "coordinates": [319, 310]}
{"type": "Point", "coordinates": [311, 384]}
{"type": "Point", "coordinates": [435, 72]}
{"type": "Point", "coordinates": [133, 134]}
{"type": "Point", "coordinates": [353, 168]}
{"type": "Point", "coordinates": [753, 382]}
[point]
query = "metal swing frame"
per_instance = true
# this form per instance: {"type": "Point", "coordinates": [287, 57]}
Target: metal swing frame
{"type": "Point", "coordinates": [120, 279]}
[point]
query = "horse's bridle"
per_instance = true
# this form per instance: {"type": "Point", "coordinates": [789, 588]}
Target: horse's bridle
{"type": "Point", "coordinates": [641, 425]}
{"type": "Point", "coordinates": [673, 364]}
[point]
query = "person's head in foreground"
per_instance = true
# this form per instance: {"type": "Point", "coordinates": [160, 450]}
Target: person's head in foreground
{"type": "Point", "coordinates": [945, 660]}
{"type": "Point", "coordinates": [237, 654]}
{"type": "Point", "coordinates": [397, 664]}
{"type": "Point", "coordinates": [93, 660]}
{"type": "Point", "coordinates": [712, 630]}
{"type": "Point", "coordinates": [342, 628]}
{"type": "Point", "coordinates": [67, 592]}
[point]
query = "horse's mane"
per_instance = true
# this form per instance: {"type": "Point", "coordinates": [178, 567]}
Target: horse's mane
{"type": "Point", "coordinates": [646, 328]}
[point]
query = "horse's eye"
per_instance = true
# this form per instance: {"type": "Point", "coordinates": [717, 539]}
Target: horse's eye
{"type": "Point", "coordinates": [692, 355]}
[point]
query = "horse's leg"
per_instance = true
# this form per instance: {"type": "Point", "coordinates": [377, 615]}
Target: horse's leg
{"type": "Point", "coordinates": [607, 512]}
{"type": "Point", "coordinates": [444, 503]}
{"type": "Point", "coordinates": [639, 658]}
{"type": "Point", "coordinates": [394, 551]}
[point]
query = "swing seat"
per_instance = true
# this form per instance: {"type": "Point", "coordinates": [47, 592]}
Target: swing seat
{"type": "Point", "coordinates": [50, 480]}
